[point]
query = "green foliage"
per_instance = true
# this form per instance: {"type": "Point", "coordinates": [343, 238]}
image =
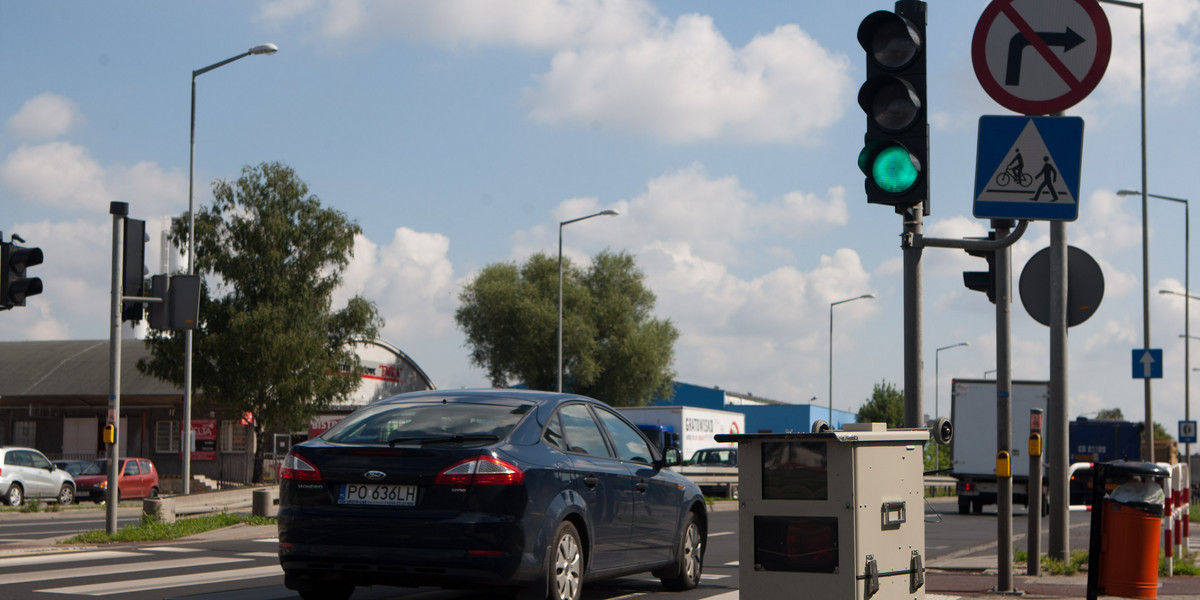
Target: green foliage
{"type": "Point", "coordinates": [1052, 566]}
{"type": "Point", "coordinates": [269, 342]}
{"type": "Point", "coordinates": [1110, 414]}
{"type": "Point", "coordinates": [937, 456]}
{"type": "Point", "coordinates": [151, 528]}
{"type": "Point", "coordinates": [885, 406]}
{"type": "Point", "coordinates": [613, 348]}
{"type": "Point", "coordinates": [1182, 565]}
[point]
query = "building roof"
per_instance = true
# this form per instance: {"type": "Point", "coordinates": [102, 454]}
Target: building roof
{"type": "Point", "coordinates": [74, 368]}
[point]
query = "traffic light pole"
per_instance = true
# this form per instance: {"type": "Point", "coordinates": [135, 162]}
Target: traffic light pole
{"type": "Point", "coordinates": [1004, 487]}
{"type": "Point", "coordinates": [118, 210]}
{"type": "Point", "coordinates": [913, 309]}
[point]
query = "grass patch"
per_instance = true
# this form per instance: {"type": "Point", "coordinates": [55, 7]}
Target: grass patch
{"type": "Point", "coordinates": [1053, 566]}
{"type": "Point", "coordinates": [151, 529]}
{"type": "Point", "coordinates": [34, 506]}
{"type": "Point", "coordinates": [1182, 565]}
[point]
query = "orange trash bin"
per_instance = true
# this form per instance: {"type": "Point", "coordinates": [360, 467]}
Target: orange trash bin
{"type": "Point", "coordinates": [1129, 551]}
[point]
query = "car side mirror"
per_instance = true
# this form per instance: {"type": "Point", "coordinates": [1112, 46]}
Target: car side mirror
{"type": "Point", "coordinates": [672, 457]}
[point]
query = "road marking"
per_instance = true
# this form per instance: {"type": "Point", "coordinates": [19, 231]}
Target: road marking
{"type": "Point", "coordinates": [720, 533]}
{"type": "Point", "coordinates": [142, 585]}
{"type": "Point", "coordinates": [260, 554]}
{"type": "Point", "coordinates": [114, 569]}
{"type": "Point", "coordinates": [273, 540]}
{"type": "Point", "coordinates": [46, 559]}
{"type": "Point", "coordinates": [710, 576]}
{"type": "Point", "coordinates": [180, 549]}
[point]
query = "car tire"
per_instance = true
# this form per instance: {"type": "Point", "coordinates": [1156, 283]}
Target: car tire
{"type": "Point", "coordinates": [565, 571]}
{"type": "Point", "coordinates": [15, 496]}
{"type": "Point", "coordinates": [964, 507]}
{"type": "Point", "coordinates": [684, 573]}
{"type": "Point", "coordinates": [153, 492]}
{"type": "Point", "coordinates": [328, 591]}
{"type": "Point", "coordinates": [66, 495]}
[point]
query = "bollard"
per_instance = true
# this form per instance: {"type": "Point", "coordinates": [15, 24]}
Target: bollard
{"type": "Point", "coordinates": [264, 502]}
{"type": "Point", "coordinates": [162, 509]}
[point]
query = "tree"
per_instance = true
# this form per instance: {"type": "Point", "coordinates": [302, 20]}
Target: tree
{"type": "Point", "coordinates": [269, 342]}
{"type": "Point", "coordinates": [613, 348]}
{"type": "Point", "coordinates": [886, 405]}
{"type": "Point", "coordinates": [1110, 414]}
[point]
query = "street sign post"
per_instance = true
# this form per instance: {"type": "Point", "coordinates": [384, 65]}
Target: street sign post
{"type": "Point", "coordinates": [1028, 168]}
{"type": "Point", "coordinates": [1038, 57]}
{"type": "Point", "coordinates": [1147, 363]}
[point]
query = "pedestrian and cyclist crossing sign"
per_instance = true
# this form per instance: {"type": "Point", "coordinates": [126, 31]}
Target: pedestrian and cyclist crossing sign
{"type": "Point", "coordinates": [1028, 168]}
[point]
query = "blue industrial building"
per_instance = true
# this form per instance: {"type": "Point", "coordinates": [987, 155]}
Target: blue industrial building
{"type": "Point", "coordinates": [762, 415]}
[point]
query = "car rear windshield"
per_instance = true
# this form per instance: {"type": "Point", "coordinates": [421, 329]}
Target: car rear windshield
{"type": "Point", "coordinates": [99, 467]}
{"type": "Point", "coordinates": [426, 423]}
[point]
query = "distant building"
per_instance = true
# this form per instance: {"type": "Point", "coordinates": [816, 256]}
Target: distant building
{"type": "Point", "coordinates": [54, 397]}
{"type": "Point", "coordinates": [762, 414]}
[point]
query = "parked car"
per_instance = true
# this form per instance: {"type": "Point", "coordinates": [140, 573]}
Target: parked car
{"type": "Point", "coordinates": [714, 457]}
{"type": "Point", "coordinates": [74, 467]}
{"type": "Point", "coordinates": [26, 473]}
{"type": "Point", "coordinates": [499, 489]}
{"type": "Point", "coordinates": [138, 479]}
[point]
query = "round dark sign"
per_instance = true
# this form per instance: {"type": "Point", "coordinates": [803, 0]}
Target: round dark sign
{"type": "Point", "coordinates": [1085, 286]}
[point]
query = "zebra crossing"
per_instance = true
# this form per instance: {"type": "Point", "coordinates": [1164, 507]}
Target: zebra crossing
{"type": "Point", "coordinates": [136, 571]}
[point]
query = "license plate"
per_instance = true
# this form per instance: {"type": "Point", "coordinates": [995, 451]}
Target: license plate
{"type": "Point", "coordinates": [378, 494]}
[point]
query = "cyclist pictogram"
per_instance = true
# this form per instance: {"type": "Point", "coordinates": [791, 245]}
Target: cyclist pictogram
{"type": "Point", "coordinates": [1015, 172]}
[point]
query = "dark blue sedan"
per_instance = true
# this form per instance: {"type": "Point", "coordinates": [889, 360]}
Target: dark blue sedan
{"type": "Point", "coordinates": [532, 493]}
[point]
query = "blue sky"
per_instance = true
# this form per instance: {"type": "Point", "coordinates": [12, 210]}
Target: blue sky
{"type": "Point", "coordinates": [459, 133]}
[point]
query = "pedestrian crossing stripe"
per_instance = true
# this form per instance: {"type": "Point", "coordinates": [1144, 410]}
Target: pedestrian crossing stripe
{"type": "Point", "coordinates": [173, 581]}
{"type": "Point", "coordinates": [1028, 168]}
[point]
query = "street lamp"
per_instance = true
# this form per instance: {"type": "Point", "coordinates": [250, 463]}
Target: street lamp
{"type": "Point", "coordinates": [1186, 310]}
{"type": "Point", "coordinates": [989, 372]}
{"type": "Point", "coordinates": [831, 305]}
{"type": "Point", "coordinates": [604, 213]}
{"type": "Point", "coordinates": [191, 265]}
{"type": "Point", "coordinates": [937, 385]}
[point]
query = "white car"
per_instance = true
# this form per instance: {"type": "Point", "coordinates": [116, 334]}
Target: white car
{"type": "Point", "coordinates": [27, 473]}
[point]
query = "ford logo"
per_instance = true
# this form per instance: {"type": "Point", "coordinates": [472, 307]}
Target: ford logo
{"type": "Point", "coordinates": [375, 474]}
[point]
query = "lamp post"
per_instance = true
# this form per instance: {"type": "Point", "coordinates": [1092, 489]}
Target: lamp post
{"type": "Point", "coordinates": [604, 213]}
{"type": "Point", "coordinates": [1187, 402]}
{"type": "Point", "coordinates": [937, 384]}
{"type": "Point", "coordinates": [186, 434]}
{"type": "Point", "coordinates": [831, 305]}
{"type": "Point", "coordinates": [988, 372]}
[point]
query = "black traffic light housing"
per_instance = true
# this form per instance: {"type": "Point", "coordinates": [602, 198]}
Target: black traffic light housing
{"type": "Point", "coordinates": [134, 260]}
{"type": "Point", "coordinates": [15, 285]}
{"type": "Point", "coordinates": [983, 281]}
{"type": "Point", "coordinates": [895, 154]}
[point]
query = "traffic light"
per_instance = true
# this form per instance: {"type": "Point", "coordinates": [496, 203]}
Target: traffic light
{"type": "Point", "coordinates": [134, 280]}
{"type": "Point", "coordinates": [14, 285]}
{"type": "Point", "coordinates": [895, 154]}
{"type": "Point", "coordinates": [983, 281]}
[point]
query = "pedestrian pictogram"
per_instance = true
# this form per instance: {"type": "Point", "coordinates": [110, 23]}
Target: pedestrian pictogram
{"type": "Point", "coordinates": [1028, 168]}
{"type": "Point", "coordinates": [1039, 57]}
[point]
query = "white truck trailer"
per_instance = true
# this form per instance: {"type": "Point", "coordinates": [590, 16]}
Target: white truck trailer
{"type": "Point", "coordinates": [973, 449]}
{"type": "Point", "coordinates": [696, 427]}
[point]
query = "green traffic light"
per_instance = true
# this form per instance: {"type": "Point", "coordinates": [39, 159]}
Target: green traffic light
{"type": "Point", "coordinates": [894, 170]}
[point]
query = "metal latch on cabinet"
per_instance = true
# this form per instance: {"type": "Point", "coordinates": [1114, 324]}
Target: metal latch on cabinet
{"type": "Point", "coordinates": [871, 574]}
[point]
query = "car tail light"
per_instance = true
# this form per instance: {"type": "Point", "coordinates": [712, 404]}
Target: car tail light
{"type": "Point", "coordinates": [298, 469]}
{"type": "Point", "coordinates": [480, 470]}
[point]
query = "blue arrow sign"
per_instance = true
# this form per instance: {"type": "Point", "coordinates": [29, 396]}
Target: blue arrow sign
{"type": "Point", "coordinates": [1028, 168]}
{"type": "Point", "coordinates": [1147, 364]}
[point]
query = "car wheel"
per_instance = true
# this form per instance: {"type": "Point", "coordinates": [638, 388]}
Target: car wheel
{"type": "Point", "coordinates": [964, 507]}
{"type": "Point", "coordinates": [566, 564]}
{"type": "Point", "coordinates": [15, 496]}
{"type": "Point", "coordinates": [66, 495]}
{"type": "Point", "coordinates": [154, 492]}
{"type": "Point", "coordinates": [684, 574]}
{"type": "Point", "coordinates": [328, 591]}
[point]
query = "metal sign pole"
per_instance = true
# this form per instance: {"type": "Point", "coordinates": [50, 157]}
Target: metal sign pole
{"type": "Point", "coordinates": [118, 210]}
{"type": "Point", "coordinates": [1004, 517]}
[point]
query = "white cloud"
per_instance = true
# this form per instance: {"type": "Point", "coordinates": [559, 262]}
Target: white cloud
{"type": "Point", "coordinates": [686, 83]}
{"type": "Point", "coordinates": [1172, 55]}
{"type": "Point", "coordinates": [44, 117]}
{"type": "Point", "coordinates": [523, 23]}
{"type": "Point", "coordinates": [620, 65]}
{"type": "Point", "coordinates": [65, 176]}
{"type": "Point", "coordinates": [411, 281]}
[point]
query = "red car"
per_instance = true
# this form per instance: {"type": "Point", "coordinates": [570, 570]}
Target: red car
{"type": "Point", "coordinates": [138, 479]}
